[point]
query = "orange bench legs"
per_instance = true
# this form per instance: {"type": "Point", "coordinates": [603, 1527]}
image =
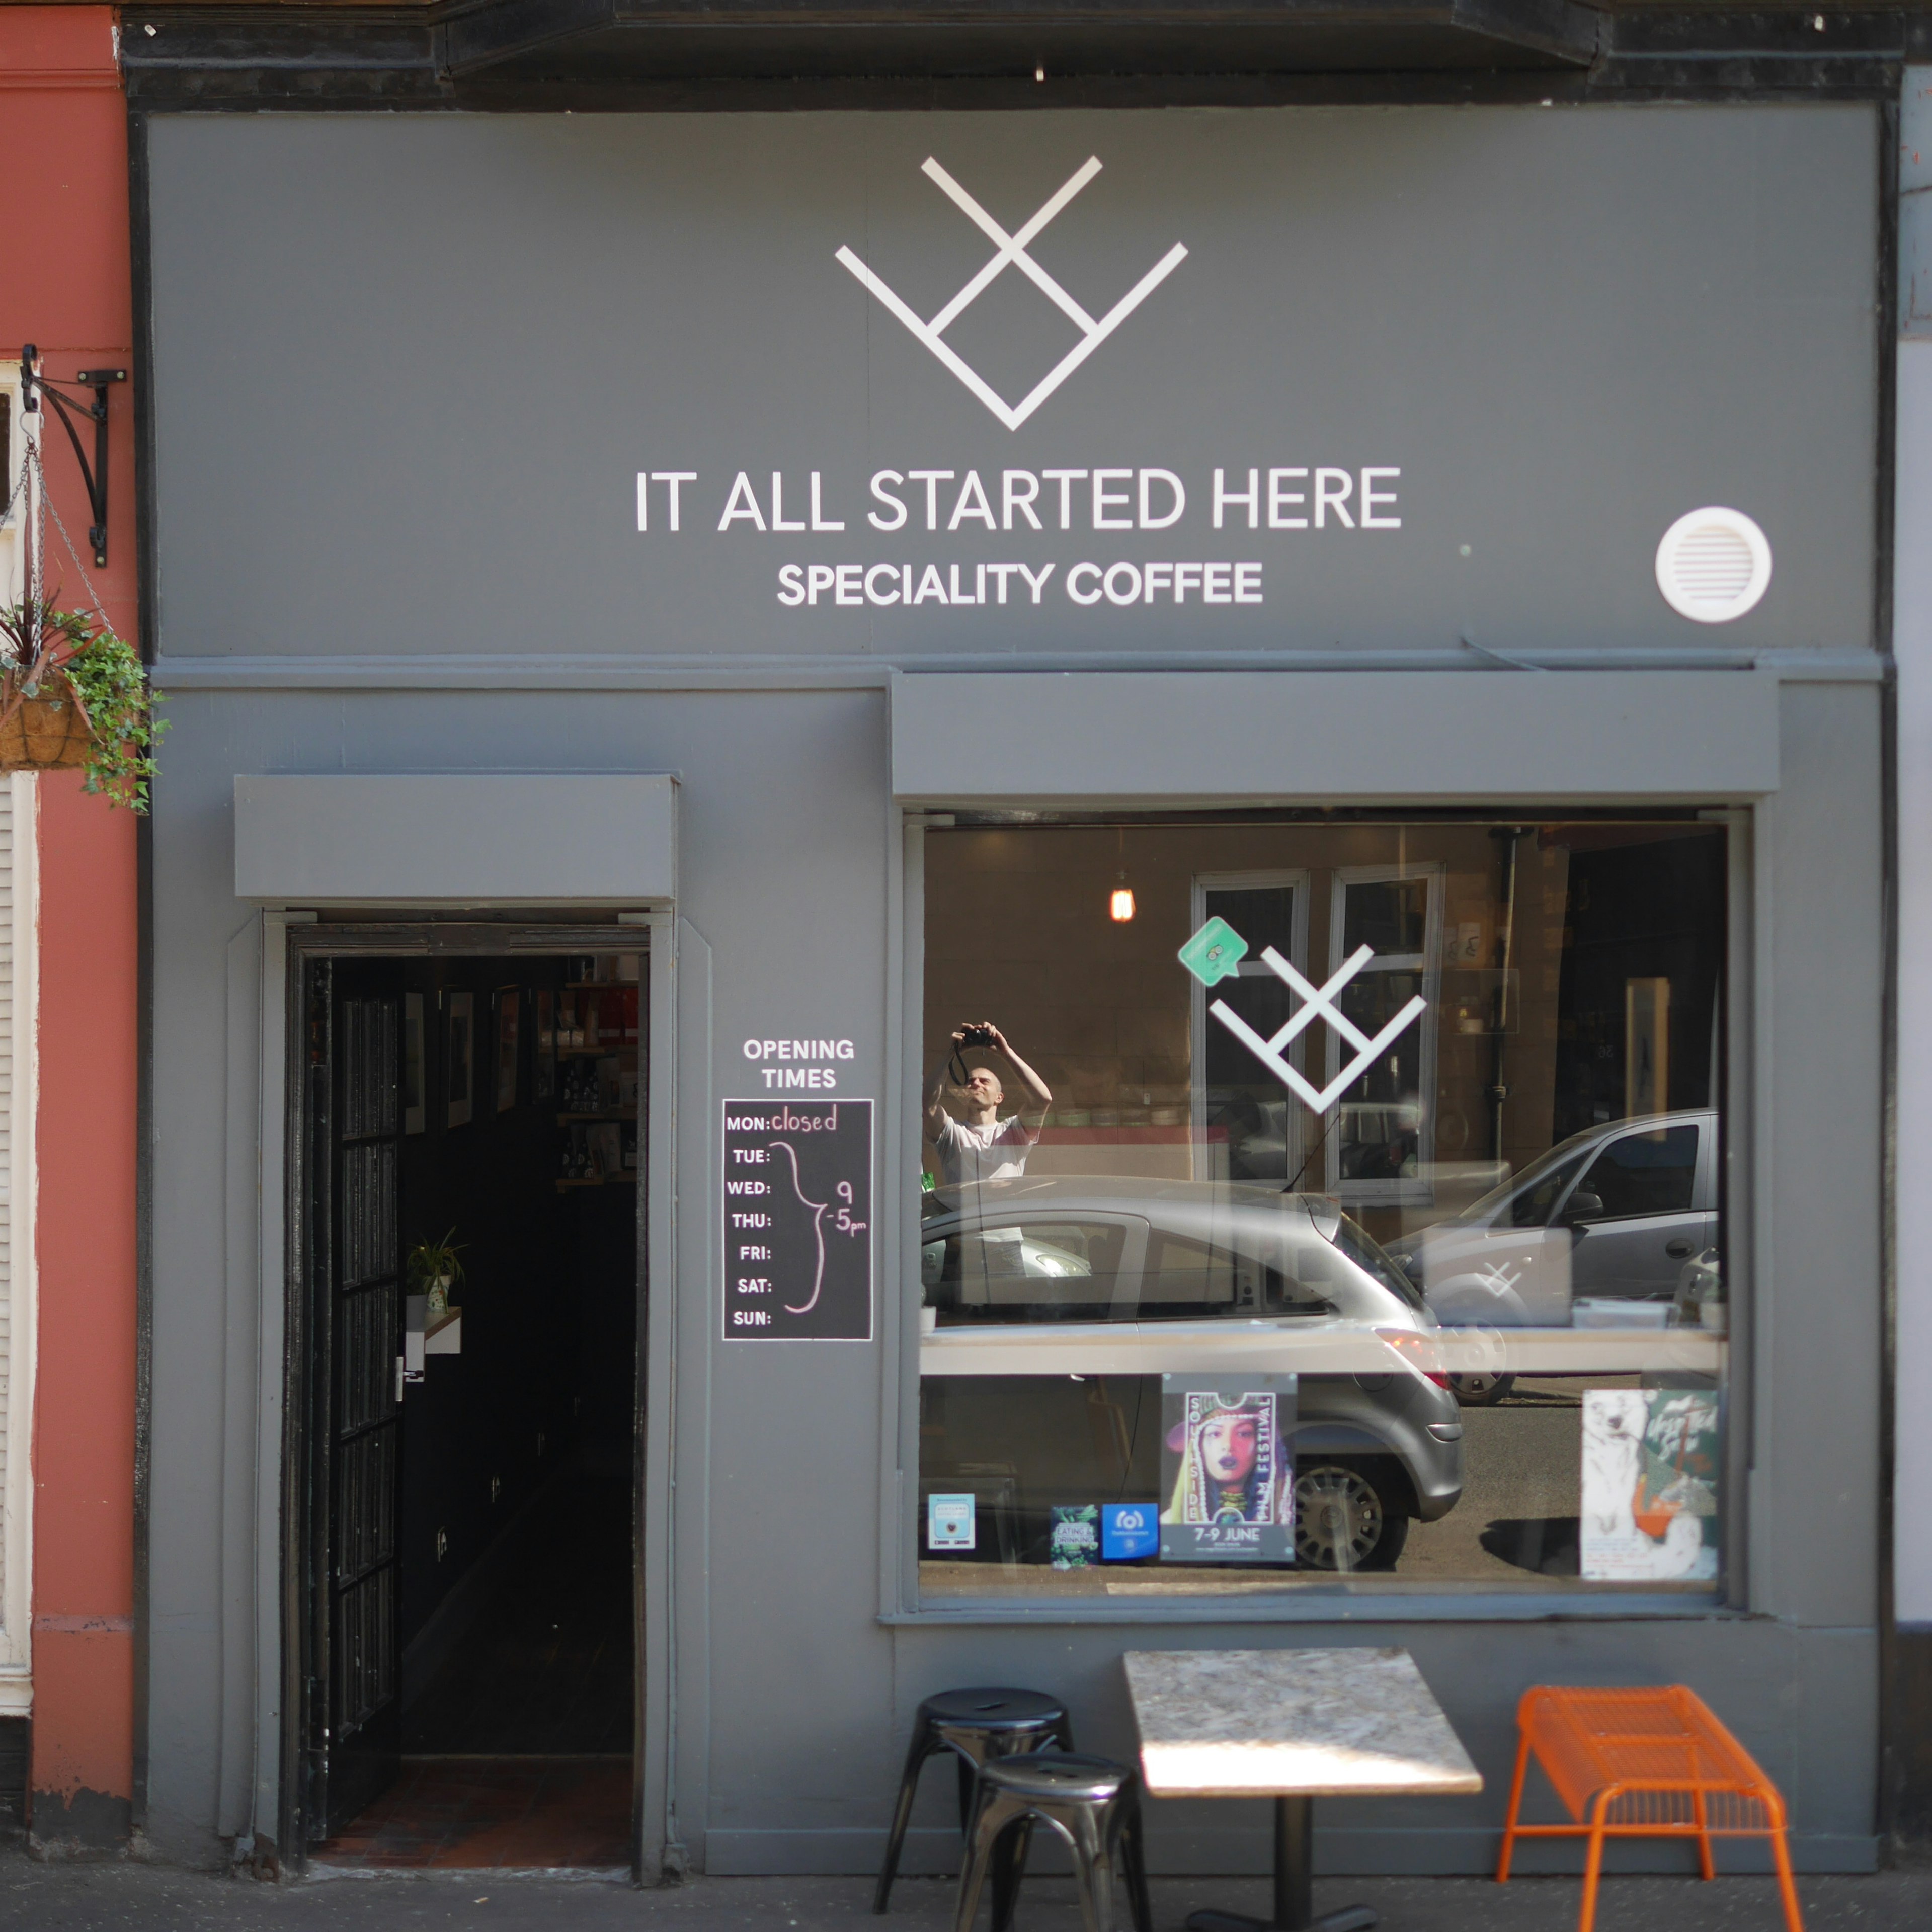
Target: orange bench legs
{"type": "Point", "coordinates": [1643, 1764]}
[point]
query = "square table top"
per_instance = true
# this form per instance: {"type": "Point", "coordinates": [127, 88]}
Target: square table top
{"type": "Point", "coordinates": [1241, 1724]}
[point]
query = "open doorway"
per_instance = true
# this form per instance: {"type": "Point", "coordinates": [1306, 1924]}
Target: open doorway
{"type": "Point", "coordinates": [470, 1249]}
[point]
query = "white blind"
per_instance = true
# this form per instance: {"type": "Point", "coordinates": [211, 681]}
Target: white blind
{"type": "Point", "coordinates": [6, 1143]}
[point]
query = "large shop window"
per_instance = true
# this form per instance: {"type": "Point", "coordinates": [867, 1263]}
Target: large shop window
{"type": "Point", "coordinates": [1309, 1193]}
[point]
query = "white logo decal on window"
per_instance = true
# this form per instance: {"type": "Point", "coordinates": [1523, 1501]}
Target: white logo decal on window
{"type": "Point", "coordinates": [1012, 252]}
{"type": "Point", "coordinates": [1318, 1001]}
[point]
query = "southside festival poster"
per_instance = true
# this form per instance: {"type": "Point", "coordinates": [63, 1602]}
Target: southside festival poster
{"type": "Point", "coordinates": [1227, 1469]}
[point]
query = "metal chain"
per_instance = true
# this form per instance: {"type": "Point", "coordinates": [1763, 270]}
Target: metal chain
{"type": "Point", "coordinates": [37, 547]}
{"type": "Point", "coordinates": [48, 504]}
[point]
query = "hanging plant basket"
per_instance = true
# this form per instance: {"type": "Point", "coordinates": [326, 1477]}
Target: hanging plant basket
{"type": "Point", "coordinates": [73, 695]}
{"type": "Point", "coordinates": [45, 728]}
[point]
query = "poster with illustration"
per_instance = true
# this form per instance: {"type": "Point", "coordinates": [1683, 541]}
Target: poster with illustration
{"type": "Point", "coordinates": [1227, 1469]}
{"type": "Point", "coordinates": [1650, 1486]}
{"type": "Point", "coordinates": [1075, 1537]}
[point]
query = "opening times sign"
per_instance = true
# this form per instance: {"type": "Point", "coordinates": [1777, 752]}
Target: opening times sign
{"type": "Point", "coordinates": [798, 1220]}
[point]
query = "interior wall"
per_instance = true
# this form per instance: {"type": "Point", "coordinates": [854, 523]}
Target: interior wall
{"type": "Point", "coordinates": [1018, 931]}
{"type": "Point", "coordinates": [483, 1429]}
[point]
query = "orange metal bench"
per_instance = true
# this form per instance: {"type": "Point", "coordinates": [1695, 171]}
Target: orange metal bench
{"type": "Point", "coordinates": [1643, 1764]}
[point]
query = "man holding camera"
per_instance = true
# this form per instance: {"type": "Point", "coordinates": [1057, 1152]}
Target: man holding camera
{"type": "Point", "coordinates": [983, 1147]}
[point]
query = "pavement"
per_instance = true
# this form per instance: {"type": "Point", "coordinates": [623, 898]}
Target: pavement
{"type": "Point", "coordinates": [126, 1896]}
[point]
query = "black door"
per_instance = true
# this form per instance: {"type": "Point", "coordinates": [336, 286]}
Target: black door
{"type": "Point", "coordinates": [356, 1311]}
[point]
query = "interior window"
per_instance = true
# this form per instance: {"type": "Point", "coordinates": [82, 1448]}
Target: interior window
{"type": "Point", "coordinates": [1644, 1174]}
{"type": "Point", "coordinates": [1387, 915]}
{"type": "Point", "coordinates": [1383, 1135]}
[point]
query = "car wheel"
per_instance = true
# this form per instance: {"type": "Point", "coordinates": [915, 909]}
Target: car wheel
{"type": "Point", "coordinates": [1480, 1390]}
{"type": "Point", "coordinates": [1345, 1519]}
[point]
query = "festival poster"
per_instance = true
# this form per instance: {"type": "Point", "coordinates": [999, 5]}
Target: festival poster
{"type": "Point", "coordinates": [1650, 1486]}
{"type": "Point", "coordinates": [1227, 1469]}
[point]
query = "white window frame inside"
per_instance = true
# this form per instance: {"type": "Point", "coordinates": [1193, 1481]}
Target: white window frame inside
{"type": "Point", "coordinates": [20, 913]}
{"type": "Point", "coordinates": [13, 527]}
{"type": "Point", "coordinates": [1420, 1192]}
{"type": "Point", "coordinates": [1298, 880]}
{"type": "Point", "coordinates": [19, 919]}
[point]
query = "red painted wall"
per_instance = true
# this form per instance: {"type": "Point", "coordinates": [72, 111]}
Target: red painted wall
{"type": "Point", "coordinates": [63, 145]}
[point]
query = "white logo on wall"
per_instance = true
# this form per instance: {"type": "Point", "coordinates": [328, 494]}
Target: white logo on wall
{"type": "Point", "coordinates": [1011, 252]}
{"type": "Point", "coordinates": [1212, 955]}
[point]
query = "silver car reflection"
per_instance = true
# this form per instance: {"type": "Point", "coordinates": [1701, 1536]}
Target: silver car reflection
{"type": "Point", "coordinates": [1594, 1233]}
{"type": "Point", "coordinates": [1043, 1263]}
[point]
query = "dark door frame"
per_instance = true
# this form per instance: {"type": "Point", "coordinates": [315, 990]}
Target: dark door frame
{"type": "Point", "coordinates": [398, 935]}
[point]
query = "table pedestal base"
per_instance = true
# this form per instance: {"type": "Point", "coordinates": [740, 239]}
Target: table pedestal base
{"type": "Point", "coordinates": [1349, 1918]}
{"type": "Point", "coordinates": [1294, 1884]}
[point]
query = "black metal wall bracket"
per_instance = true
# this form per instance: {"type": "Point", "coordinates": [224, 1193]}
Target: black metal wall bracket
{"type": "Point", "coordinates": [33, 386]}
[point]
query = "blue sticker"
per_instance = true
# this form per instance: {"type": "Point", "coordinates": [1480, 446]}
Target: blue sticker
{"type": "Point", "coordinates": [1128, 1530]}
{"type": "Point", "coordinates": [949, 1523]}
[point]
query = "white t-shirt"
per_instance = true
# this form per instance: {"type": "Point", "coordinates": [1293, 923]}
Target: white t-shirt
{"type": "Point", "coordinates": [995, 1153]}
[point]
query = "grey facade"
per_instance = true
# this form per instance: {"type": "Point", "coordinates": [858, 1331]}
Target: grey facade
{"type": "Point", "coordinates": [405, 371]}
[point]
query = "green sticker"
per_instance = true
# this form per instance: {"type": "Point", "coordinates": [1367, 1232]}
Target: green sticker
{"type": "Point", "coordinates": [1213, 954]}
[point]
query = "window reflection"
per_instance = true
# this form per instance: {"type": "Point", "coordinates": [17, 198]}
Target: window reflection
{"type": "Point", "coordinates": [1506, 1198]}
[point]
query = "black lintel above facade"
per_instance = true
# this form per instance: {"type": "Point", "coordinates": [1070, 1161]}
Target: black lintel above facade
{"type": "Point", "coordinates": [598, 39]}
{"type": "Point", "coordinates": [643, 53]}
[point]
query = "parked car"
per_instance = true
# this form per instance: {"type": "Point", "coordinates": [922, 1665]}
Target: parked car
{"type": "Point", "coordinates": [1069, 1272]}
{"type": "Point", "coordinates": [1699, 1301]}
{"type": "Point", "coordinates": [1604, 1220]}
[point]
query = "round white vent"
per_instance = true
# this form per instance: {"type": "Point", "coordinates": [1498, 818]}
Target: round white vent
{"type": "Point", "coordinates": [1713, 565]}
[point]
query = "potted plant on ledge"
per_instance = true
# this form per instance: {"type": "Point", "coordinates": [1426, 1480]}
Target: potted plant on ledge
{"type": "Point", "coordinates": [434, 1269]}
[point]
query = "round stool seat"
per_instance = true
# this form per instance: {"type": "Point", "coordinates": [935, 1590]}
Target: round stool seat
{"type": "Point", "coordinates": [1058, 1777]}
{"type": "Point", "coordinates": [1091, 1804]}
{"type": "Point", "coordinates": [974, 1727]}
{"type": "Point", "coordinates": [994, 1710]}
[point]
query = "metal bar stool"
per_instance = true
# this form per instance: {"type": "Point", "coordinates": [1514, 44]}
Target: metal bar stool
{"type": "Point", "coordinates": [974, 1726]}
{"type": "Point", "coordinates": [1093, 1804]}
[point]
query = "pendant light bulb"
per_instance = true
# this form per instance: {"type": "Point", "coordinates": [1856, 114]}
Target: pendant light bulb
{"type": "Point", "coordinates": [1121, 906]}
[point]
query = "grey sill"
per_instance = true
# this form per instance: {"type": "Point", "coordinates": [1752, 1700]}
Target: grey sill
{"type": "Point", "coordinates": [1337, 1607]}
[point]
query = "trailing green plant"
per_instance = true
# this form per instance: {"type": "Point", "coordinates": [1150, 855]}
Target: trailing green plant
{"type": "Point", "coordinates": [42, 647]}
{"type": "Point", "coordinates": [429, 1262]}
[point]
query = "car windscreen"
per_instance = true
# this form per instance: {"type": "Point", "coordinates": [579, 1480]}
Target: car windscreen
{"type": "Point", "coordinates": [1528, 1199]}
{"type": "Point", "coordinates": [1354, 1242]}
{"type": "Point", "coordinates": [1652, 1172]}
